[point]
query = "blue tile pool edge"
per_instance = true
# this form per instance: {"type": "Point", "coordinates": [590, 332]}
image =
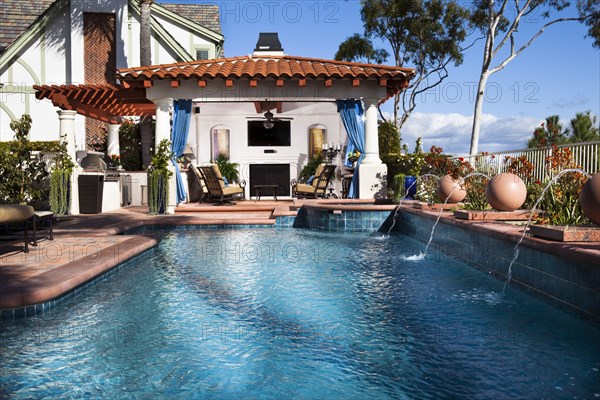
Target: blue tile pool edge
{"type": "Point", "coordinates": [12, 314]}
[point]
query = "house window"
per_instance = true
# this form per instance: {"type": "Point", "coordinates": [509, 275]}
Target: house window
{"type": "Point", "coordinates": [201, 54]}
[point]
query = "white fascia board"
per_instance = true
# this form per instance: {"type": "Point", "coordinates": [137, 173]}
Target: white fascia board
{"type": "Point", "coordinates": [314, 91]}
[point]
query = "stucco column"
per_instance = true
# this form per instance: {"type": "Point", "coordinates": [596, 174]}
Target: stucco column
{"type": "Point", "coordinates": [162, 131]}
{"type": "Point", "coordinates": [113, 139]}
{"type": "Point", "coordinates": [198, 125]}
{"type": "Point", "coordinates": [66, 131]}
{"type": "Point", "coordinates": [372, 173]}
{"type": "Point", "coordinates": [371, 134]}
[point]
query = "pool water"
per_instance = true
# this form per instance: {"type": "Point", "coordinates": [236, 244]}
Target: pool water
{"type": "Point", "coordinates": [291, 313]}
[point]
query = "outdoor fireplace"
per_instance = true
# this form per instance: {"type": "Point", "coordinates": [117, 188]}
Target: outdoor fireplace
{"type": "Point", "coordinates": [271, 174]}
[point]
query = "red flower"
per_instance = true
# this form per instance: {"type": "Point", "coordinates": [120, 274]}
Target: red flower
{"type": "Point", "coordinates": [461, 159]}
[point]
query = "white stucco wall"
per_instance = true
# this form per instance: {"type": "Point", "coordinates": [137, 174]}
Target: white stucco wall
{"type": "Point", "coordinates": [235, 116]}
{"type": "Point", "coordinates": [55, 56]}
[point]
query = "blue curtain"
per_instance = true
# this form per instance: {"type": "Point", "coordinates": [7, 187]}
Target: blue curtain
{"type": "Point", "coordinates": [351, 111]}
{"type": "Point", "coordinates": [182, 110]}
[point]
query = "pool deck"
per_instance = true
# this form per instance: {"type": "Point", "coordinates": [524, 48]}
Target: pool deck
{"type": "Point", "coordinates": [86, 246]}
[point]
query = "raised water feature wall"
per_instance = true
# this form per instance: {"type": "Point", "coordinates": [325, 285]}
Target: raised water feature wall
{"type": "Point", "coordinates": [343, 217]}
{"type": "Point", "coordinates": [569, 279]}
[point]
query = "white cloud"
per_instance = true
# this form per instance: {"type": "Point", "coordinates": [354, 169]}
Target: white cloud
{"type": "Point", "coordinates": [452, 131]}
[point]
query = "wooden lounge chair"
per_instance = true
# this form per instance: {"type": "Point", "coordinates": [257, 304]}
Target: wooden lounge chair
{"type": "Point", "coordinates": [14, 213]}
{"type": "Point", "coordinates": [318, 187]}
{"type": "Point", "coordinates": [216, 187]}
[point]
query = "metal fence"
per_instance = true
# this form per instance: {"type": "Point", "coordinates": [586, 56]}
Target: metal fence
{"type": "Point", "coordinates": [585, 155]}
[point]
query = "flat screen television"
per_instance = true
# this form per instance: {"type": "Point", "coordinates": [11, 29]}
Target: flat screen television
{"type": "Point", "coordinates": [278, 136]}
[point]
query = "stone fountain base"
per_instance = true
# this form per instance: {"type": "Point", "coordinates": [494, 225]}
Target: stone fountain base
{"type": "Point", "coordinates": [493, 215]}
{"type": "Point", "coordinates": [567, 233]}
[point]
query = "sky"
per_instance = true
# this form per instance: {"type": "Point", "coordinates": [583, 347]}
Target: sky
{"type": "Point", "coordinates": [558, 75]}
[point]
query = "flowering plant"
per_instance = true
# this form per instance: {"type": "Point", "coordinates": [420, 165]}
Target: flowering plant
{"type": "Point", "coordinates": [353, 156]}
{"type": "Point", "coordinates": [114, 160]}
{"type": "Point", "coordinates": [561, 201]}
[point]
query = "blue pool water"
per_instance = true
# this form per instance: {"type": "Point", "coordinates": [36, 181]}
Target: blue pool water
{"type": "Point", "coordinates": [230, 314]}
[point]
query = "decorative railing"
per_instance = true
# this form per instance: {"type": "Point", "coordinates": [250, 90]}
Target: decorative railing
{"type": "Point", "coordinates": [586, 155]}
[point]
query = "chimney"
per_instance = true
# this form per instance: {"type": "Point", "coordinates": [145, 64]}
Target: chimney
{"type": "Point", "coordinates": [268, 45]}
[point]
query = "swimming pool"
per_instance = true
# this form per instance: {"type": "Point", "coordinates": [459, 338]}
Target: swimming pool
{"type": "Point", "coordinates": [291, 313]}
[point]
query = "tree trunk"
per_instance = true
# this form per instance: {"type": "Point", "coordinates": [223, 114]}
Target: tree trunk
{"type": "Point", "coordinates": [145, 52]}
{"type": "Point", "coordinates": [146, 132]}
{"type": "Point", "coordinates": [485, 74]}
{"type": "Point", "coordinates": [147, 139]}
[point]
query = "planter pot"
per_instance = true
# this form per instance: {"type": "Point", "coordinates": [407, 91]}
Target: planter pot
{"type": "Point", "coordinates": [410, 187]}
{"type": "Point", "coordinates": [450, 191]}
{"type": "Point", "coordinates": [506, 192]}
{"type": "Point", "coordinates": [589, 199]}
{"type": "Point", "coordinates": [157, 201]}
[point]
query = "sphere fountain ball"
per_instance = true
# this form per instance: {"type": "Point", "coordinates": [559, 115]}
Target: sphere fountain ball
{"type": "Point", "coordinates": [451, 189]}
{"type": "Point", "coordinates": [506, 192]}
{"type": "Point", "coordinates": [589, 199]}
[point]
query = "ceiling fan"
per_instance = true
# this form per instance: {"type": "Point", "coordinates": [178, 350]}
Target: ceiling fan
{"type": "Point", "coordinates": [270, 119]}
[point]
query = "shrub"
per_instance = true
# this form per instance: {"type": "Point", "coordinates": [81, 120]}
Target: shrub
{"type": "Point", "coordinates": [130, 145]}
{"type": "Point", "coordinates": [21, 174]}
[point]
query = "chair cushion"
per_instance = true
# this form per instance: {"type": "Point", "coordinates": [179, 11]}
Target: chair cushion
{"type": "Point", "coordinates": [318, 173]}
{"type": "Point", "coordinates": [232, 189]}
{"type": "Point", "coordinates": [219, 176]}
{"type": "Point", "coordinates": [304, 188]}
{"type": "Point", "coordinates": [15, 213]}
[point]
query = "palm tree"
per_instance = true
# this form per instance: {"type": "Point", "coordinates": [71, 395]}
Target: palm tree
{"type": "Point", "coordinates": [147, 136]}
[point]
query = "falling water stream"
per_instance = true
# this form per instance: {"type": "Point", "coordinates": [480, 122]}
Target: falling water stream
{"type": "Point", "coordinates": [456, 186]}
{"type": "Point", "coordinates": [402, 199]}
{"type": "Point", "coordinates": [533, 210]}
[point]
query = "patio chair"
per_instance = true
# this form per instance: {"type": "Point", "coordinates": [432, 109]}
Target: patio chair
{"type": "Point", "coordinates": [202, 186]}
{"type": "Point", "coordinates": [16, 213]}
{"type": "Point", "coordinates": [216, 188]}
{"type": "Point", "coordinates": [318, 187]}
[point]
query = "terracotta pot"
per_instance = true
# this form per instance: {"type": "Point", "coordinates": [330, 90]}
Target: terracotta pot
{"type": "Point", "coordinates": [506, 192]}
{"type": "Point", "coordinates": [589, 199]}
{"type": "Point", "coordinates": [449, 188]}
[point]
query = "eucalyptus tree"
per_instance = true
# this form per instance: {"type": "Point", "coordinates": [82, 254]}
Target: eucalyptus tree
{"type": "Point", "coordinates": [422, 34]}
{"type": "Point", "coordinates": [500, 20]}
{"type": "Point", "coordinates": [359, 48]}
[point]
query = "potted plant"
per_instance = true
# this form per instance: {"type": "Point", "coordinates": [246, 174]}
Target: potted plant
{"type": "Point", "coordinates": [310, 168]}
{"type": "Point", "coordinates": [60, 180]}
{"type": "Point", "coordinates": [114, 161]}
{"type": "Point", "coordinates": [353, 157]}
{"type": "Point", "coordinates": [158, 178]}
{"type": "Point", "coordinates": [229, 170]}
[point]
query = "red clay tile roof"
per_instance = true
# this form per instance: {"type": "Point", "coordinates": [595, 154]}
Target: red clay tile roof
{"type": "Point", "coordinates": [16, 16]}
{"type": "Point", "coordinates": [206, 15]}
{"type": "Point", "coordinates": [260, 67]}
